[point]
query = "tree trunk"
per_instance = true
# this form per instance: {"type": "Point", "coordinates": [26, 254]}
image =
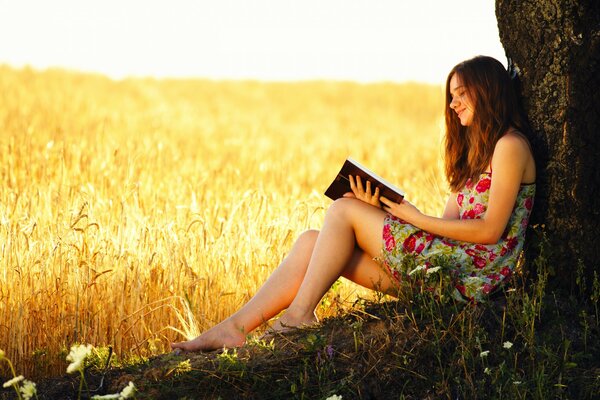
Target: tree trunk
{"type": "Point", "coordinates": [554, 46]}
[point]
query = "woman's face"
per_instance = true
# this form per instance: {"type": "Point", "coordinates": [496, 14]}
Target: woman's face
{"type": "Point", "coordinates": [461, 104]}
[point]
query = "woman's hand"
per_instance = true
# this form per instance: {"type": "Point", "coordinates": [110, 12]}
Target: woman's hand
{"type": "Point", "coordinates": [363, 193]}
{"type": "Point", "coordinates": [404, 210]}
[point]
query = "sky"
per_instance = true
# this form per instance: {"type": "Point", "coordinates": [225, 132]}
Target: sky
{"type": "Point", "coordinates": [358, 40]}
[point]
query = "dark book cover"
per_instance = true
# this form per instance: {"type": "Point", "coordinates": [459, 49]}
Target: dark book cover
{"type": "Point", "coordinates": [341, 183]}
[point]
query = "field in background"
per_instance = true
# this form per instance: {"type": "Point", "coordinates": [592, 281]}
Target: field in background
{"type": "Point", "coordinates": [124, 203]}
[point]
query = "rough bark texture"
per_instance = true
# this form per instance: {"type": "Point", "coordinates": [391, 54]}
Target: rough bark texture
{"type": "Point", "coordinates": [554, 46]}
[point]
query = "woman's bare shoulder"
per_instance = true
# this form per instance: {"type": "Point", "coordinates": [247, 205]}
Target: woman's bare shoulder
{"type": "Point", "coordinates": [510, 141]}
{"type": "Point", "coordinates": [513, 141]}
{"type": "Point", "coordinates": [514, 148]}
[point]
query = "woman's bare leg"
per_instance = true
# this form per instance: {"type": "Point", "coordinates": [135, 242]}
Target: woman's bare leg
{"type": "Point", "coordinates": [273, 296]}
{"type": "Point", "coordinates": [281, 288]}
{"type": "Point", "coordinates": [349, 223]}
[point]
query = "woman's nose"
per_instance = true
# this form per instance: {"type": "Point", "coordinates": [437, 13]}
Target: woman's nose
{"type": "Point", "coordinates": [453, 103]}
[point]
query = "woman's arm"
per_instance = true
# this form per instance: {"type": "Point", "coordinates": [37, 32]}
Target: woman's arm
{"type": "Point", "coordinates": [451, 210]}
{"type": "Point", "coordinates": [508, 164]}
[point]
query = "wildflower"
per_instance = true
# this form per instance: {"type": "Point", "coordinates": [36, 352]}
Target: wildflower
{"type": "Point", "coordinates": [484, 353]}
{"type": "Point", "coordinates": [432, 270]}
{"type": "Point", "coordinates": [28, 390]}
{"type": "Point", "coordinates": [77, 356]}
{"type": "Point", "coordinates": [507, 345]}
{"type": "Point", "coordinates": [517, 382]}
{"type": "Point", "coordinates": [128, 391]}
{"type": "Point", "coordinates": [329, 350]}
{"type": "Point", "coordinates": [417, 269]}
{"type": "Point", "coordinates": [487, 371]}
{"type": "Point", "coordinates": [107, 396]}
{"type": "Point", "coordinates": [334, 397]}
{"type": "Point", "coordinates": [13, 381]}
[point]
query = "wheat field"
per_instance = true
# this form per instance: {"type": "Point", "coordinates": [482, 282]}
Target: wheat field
{"type": "Point", "coordinates": [129, 208]}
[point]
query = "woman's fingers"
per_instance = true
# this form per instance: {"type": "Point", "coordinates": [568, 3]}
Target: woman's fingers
{"type": "Point", "coordinates": [352, 184]}
{"type": "Point", "coordinates": [359, 185]}
{"type": "Point", "coordinates": [364, 192]}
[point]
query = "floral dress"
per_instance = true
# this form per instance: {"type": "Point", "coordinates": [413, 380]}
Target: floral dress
{"type": "Point", "coordinates": [477, 269]}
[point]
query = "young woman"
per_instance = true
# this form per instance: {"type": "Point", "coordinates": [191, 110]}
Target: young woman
{"type": "Point", "coordinates": [491, 173]}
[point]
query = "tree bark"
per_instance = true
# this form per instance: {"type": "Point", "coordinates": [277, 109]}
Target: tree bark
{"type": "Point", "coordinates": [554, 46]}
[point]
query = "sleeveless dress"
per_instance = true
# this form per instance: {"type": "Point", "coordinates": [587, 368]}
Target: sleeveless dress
{"type": "Point", "coordinates": [476, 269]}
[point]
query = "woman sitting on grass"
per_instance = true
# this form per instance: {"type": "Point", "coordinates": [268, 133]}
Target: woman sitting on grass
{"type": "Point", "coordinates": [491, 172]}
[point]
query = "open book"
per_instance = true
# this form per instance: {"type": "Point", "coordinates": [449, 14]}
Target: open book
{"type": "Point", "coordinates": [341, 183]}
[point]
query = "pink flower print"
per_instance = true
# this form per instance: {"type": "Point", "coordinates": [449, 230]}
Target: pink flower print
{"type": "Point", "coordinates": [481, 247]}
{"type": "Point", "coordinates": [409, 244]}
{"type": "Point", "coordinates": [479, 208]}
{"type": "Point", "coordinates": [505, 271]}
{"type": "Point", "coordinates": [461, 289]}
{"type": "Point", "coordinates": [459, 199]}
{"type": "Point", "coordinates": [492, 256]}
{"type": "Point", "coordinates": [479, 262]}
{"type": "Point", "coordinates": [420, 248]}
{"type": "Point", "coordinates": [471, 200]}
{"type": "Point", "coordinates": [469, 214]}
{"type": "Point", "coordinates": [528, 203]}
{"type": "Point", "coordinates": [469, 184]}
{"type": "Point", "coordinates": [511, 243]}
{"type": "Point", "coordinates": [387, 231]}
{"type": "Point", "coordinates": [494, 277]}
{"type": "Point", "coordinates": [471, 252]}
{"type": "Point", "coordinates": [390, 243]}
{"type": "Point", "coordinates": [429, 237]}
{"type": "Point", "coordinates": [483, 185]}
{"type": "Point", "coordinates": [524, 223]}
{"type": "Point", "coordinates": [487, 288]}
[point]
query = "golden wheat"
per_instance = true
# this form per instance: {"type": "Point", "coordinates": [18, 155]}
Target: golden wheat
{"type": "Point", "coordinates": [131, 206]}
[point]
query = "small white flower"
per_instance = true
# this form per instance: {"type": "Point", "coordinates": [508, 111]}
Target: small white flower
{"type": "Point", "coordinates": [28, 389]}
{"type": "Point", "coordinates": [484, 353]}
{"type": "Point", "coordinates": [432, 270]}
{"type": "Point", "coordinates": [507, 345]}
{"type": "Point", "coordinates": [77, 356]}
{"type": "Point", "coordinates": [517, 382]}
{"type": "Point", "coordinates": [334, 397]}
{"type": "Point", "coordinates": [487, 371]}
{"type": "Point", "coordinates": [417, 269]}
{"type": "Point", "coordinates": [13, 381]}
{"type": "Point", "coordinates": [106, 396]}
{"type": "Point", "coordinates": [128, 391]}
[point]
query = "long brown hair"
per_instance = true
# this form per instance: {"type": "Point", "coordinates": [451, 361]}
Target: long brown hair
{"type": "Point", "coordinates": [469, 149]}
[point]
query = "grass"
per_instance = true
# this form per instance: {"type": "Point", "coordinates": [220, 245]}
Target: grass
{"type": "Point", "coordinates": [526, 343]}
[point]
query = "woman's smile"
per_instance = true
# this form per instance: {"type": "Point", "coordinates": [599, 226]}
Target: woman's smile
{"type": "Point", "coordinates": [460, 101]}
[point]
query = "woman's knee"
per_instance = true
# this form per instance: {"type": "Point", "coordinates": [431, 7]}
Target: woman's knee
{"type": "Point", "coordinates": [341, 206]}
{"type": "Point", "coordinates": [307, 238]}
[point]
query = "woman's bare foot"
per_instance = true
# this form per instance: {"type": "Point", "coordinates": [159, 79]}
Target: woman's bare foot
{"type": "Point", "coordinates": [225, 334]}
{"type": "Point", "coordinates": [291, 319]}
